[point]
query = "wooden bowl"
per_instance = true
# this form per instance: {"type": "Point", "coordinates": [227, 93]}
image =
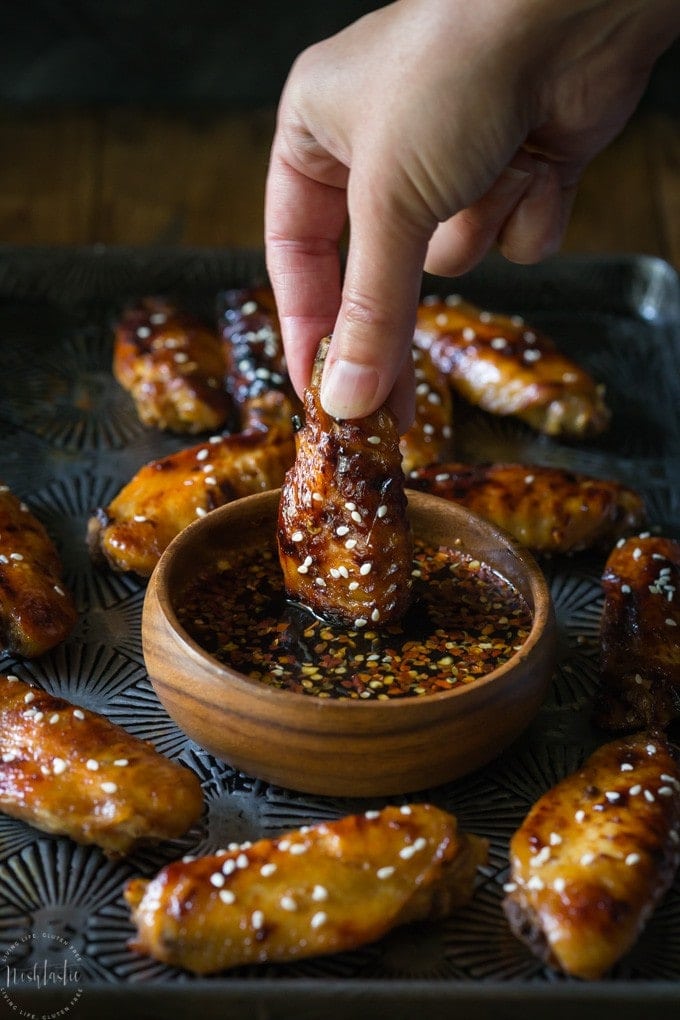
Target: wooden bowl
{"type": "Point", "coordinates": [339, 746]}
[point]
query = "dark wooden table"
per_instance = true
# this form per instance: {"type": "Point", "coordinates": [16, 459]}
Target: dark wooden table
{"type": "Point", "coordinates": [125, 175]}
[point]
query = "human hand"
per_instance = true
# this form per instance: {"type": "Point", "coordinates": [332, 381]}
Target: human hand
{"type": "Point", "coordinates": [438, 127]}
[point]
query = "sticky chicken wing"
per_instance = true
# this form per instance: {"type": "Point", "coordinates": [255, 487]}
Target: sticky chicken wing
{"type": "Point", "coordinates": [173, 366]}
{"type": "Point", "coordinates": [640, 635]}
{"type": "Point", "coordinates": [166, 495]}
{"type": "Point", "coordinates": [595, 855]}
{"type": "Point", "coordinates": [37, 612]}
{"type": "Point", "coordinates": [430, 438]}
{"type": "Point", "coordinates": [345, 543]}
{"type": "Point", "coordinates": [324, 889]}
{"type": "Point", "coordinates": [549, 510]}
{"type": "Point", "coordinates": [256, 367]}
{"type": "Point", "coordinates": [498, 363]}
{"type": "Point", "coordinates": [71, 772]}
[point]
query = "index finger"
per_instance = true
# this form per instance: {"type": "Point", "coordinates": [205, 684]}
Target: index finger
{"type": "Point", "coordinates": [304, 221]}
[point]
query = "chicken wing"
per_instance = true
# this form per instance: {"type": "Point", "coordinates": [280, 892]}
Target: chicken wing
{"type": "Point", "coordinates": [595, 855]}
{"type": "Point", "coordinates": [256, 367]}
{"type": "Point", "coordinates": [498, 363]}
{"type": "Point", "coordinates": [173, 366]}
{"type": "Point", "coordinates": [430, 438]}
{"type": "Point", "coordinates": [324, 889]}
{"type": "Point", "coordinates": [640, 635]}
{"type": "Point", "coordinates": [71, 772]}
{"type": "Point", "coordinates": [36, 610]}
{"type": "Point", "coordinates": [549, 510]}
{"type": "Point", "coordinates": [166, 495]}
{"type": "Point", "coordinates": [344, 538]}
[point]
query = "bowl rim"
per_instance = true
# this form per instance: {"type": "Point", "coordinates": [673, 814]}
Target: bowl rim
{"type": "Point", "coordinates": [542, 618]}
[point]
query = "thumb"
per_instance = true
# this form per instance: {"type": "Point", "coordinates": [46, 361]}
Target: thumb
{"type": "Point", "coordinates": [369, 358]}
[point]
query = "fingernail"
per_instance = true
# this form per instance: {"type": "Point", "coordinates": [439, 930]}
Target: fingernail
{"type": "Point", "coordinates": [347, 389]}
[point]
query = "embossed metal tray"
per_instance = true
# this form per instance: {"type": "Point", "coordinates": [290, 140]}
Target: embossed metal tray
{"type": "Point", "coordinates": [69, 439]}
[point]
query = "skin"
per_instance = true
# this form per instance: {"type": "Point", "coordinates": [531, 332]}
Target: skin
{"type": "Point", "coordinates": [435, 129]}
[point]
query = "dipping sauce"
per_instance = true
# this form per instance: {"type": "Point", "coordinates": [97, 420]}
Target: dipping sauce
{"type": "Point", "coordinates": [465, 621]}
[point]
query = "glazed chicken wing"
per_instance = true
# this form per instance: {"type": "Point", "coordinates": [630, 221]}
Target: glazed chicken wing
{"type": "Point", "coordinates": [640, 635]}
{"type": "Point", "coordinates": [595, 855]}
{"type": "Point", "coordinates": [71, 772]}
{"type": "Point", "coordinates": [549, 510]}
{"type": "Point", "coordinates": [173, 366]}
{"type": "Point", "coordinates": [430, 438]}
{"type": "Point", "coordinates": [497, 363]}
{"type": "Point", "coordinates": [256, 368]}
{"type": "Point", "coordinates": [36, 610]}
{"type": "Point", "coordinates": [325, 889]}
{"type": "Point", "coordinates": [166, 495]}
{"type": "Point", "coordinates": [344, 538]}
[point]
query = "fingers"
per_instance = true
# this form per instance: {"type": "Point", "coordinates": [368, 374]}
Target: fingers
{"type": "Point", "coordinates": [536, 226]}
{"type": "Point", "coordinates": [304, 220]}
{"type": "Point", "coordinates": [369, 356]}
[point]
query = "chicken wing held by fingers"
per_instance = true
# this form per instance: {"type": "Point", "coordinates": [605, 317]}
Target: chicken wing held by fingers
{"type": "Point", "coordinates": [37, 612]}
{"type": "Point", "coordinates": [344, 538]}
{"type": "Point", "coordinates": [497, 363]}
{"type": "Point", "coordinates": [640, 635]}
{"type": "Point", "coordinates": [324, 889]}
{"type": "Point", "coordinates": [166, 495]}
{"type": "Point", "coordinates": [430, 438]}
{"type": "Point", "coordinates": [595, 855]}
{"type": "Point", "coordinates": [173, 366]}
{"type": "Point", "coordinates": [549, 510]}
{"type": "Point", "coordinates": [71, 772]}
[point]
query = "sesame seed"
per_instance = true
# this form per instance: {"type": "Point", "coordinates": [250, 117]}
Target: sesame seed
{"type": "Point", "coordinates": [298, 848]}
{"type": "Point", "coordinates": [665, 791]}
{"type": "Point", "coordinates": [634, 790]}
{"type": "Point", "coordinates": [633, 859]}
{"type": "Point", "coordinates": [78, 714]}
{"type": "Point", "coordinates": [541, 857]}
{"type": "Point", "coordinates": [559, 885]}
{"type": "Point", "coordinates": [356, 516]}
{"type": "Point", "coordinates": [649, 796]}
{"type": "Point", "coordinates": [342, 530]}
{"type": "Point", "coordinates": [349, 505]}
{"type": "Point", "coordinates": [121, 762]}
{"type": "Point", "coordinates": [297, 536]}
{"type": "Point", "coordinates": [92, 764]}
{"type": "Point", "coordinates": [509, 887]}
{"type": "Point", "coordinates": [373, 440]}
{"type": "Point", "coordinates": [535, 883]}
{"type": "Point", "coordinates": [371, 815]}
{"type": "Point", "coordinates": [411, 849]}
{"type": "Point", "coordinates": [9, 756]}
{"type": "Point", "coordinates": [257, 919]}
{"type": "Point", "coordinates": [612, 796]}
{"type": "Point", "coordinates": [203, 453]}
{"type": "Point", "coordinates": [587, 859]}
{"type": "Point", "coordinates": [54, 718]}
{"type": "Point", "coordinates": [365, 568]}
{"type": "Point", "coordinates": [201, 511]}
{"type": "Point", "coordinates": [229, 866]}
{"type": "Point", "coordinates": [319, 893]}
{"type": "Point", "coordinates": [109, 787]}
{"type": "Point", "coordinates": [555, 839]}
{"type": "Point", "coordinates": [382, 510]}
{"type": "Point", "coordinates": [217, 879]}
{"type": "Point", "coordinates": [227, 896]}
{"type": "Point", "coordinates": [242, 861]}
{"type": "Point", "coordinates": [288, 903]}
{"type": "Point", "coordinates": [405, 810]}
{"type": "Point", "coordinates": [318, 919]}
{"type": "Point", "coordinates": [350, 543]}
{"type": "Point", "coordinates": [58, 766]}
{"type": "Point", "coordinates": [268, 869]}
{"type": "Point", "coordinates": [626, 766]}
{"type": "Point", "coordinates": [28, 698]}
{"type": "Point", "coordinates": [360, 622]}
{"type": "Point", "coordinates": [626, 589]}
{"type": "Point", "coordinates": [580, 816]}
{"type": "Point", "coordinates": [651, 749]}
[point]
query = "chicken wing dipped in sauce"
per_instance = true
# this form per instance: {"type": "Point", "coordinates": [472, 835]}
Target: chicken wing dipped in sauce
{"type": "Point", "coordinates": [69, 771]}
{"type": "Point", "coordinates": [37, 611]}
{"type": "Point", "coordinates": [640, 635]}
{"type": "Point", "coordinates": [430, 438]}
{"type": "Point", "coordinates": [549, 510]}
{"type": "Point", "coordinates": [595, 855]}
{"type": "Point", "coordinates": [173, 366]}
{"type": "Point", "coordinates": [166, 495]}
{"type": "Point", "coordinates": [256, 366]}
{"type": "Point", "coordinates": [323, 889]}
{"type": "Point", "coordinates": [500, 364]}
{"type": "Point", "coordinates": [344, 538]}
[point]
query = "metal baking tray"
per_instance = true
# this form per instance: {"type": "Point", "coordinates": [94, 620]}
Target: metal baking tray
{"type": "Point", "coordinates": [69, 439]}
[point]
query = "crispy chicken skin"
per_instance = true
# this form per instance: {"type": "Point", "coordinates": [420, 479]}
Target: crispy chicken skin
{"type": "Point", "coordinates": [71, 772]}
{"type": "Point", "coordinates": [430, 438]}
{"type": "Point", "coordinates": [595, 855]}
{"type": "Point", "coordinates": [640, 635]}
{"type": "Point", "coordinates": [324, 889]}
{"type": "Point", "coordinates": [253, 349]}
{"type": "Point", "coordinates": [36, 610]}
{"type": "Point", "coordinates": [166, 495]}
{"type": "Point", "coordinates": [344, 538]}
{"type": "Point", "coordinates": [549, 510]}
{"type": "Point", "coordinates": [173, 366]}
{"type": "Point", "coordinates": [498, 363]}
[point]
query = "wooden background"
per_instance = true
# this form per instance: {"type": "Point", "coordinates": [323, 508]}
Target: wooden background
{"type": "Point", "coordinates": [125, 175]}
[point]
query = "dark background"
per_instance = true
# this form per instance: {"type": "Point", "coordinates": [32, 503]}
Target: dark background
{"type": "Point", "coordinates": [176, 53]}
